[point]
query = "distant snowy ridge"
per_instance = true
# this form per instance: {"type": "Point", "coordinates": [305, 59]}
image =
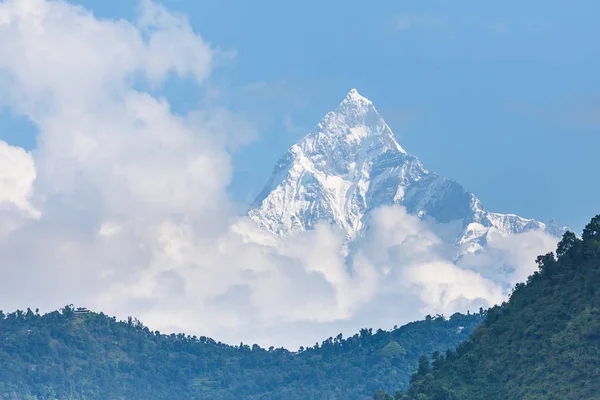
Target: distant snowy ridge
{"type": "Point", "coordinates": [350, 164]}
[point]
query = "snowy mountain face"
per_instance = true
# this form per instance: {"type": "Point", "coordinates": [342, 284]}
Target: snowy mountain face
{"type": "Point", "coordinates": [350, 164]}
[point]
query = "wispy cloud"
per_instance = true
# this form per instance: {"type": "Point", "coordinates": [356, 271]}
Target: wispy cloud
{"type": "Point", "coordinates": [585, 114]}
{"type": "Point", "coordinates": [451, 24]}
{"type": "Point", "coordinates": [500, 28]}
{"type": "Point", "coordinates": [577, 112]}
{"type": "Point", "coordinates": [275, 93]}
{"type": "Point", "coordinates": [405, 21]}
{"type": "Point", "coordinates": [290, 126]}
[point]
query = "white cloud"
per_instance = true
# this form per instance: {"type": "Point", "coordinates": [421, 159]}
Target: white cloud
{"type": "Point", "coordinates": [413, 258]}
{"type": "Point", "coordinates": [17, 174]}
{"type": "Point", "coordinates": [132, 212]}
{"type": "Point", "coordinates": [509, 259]}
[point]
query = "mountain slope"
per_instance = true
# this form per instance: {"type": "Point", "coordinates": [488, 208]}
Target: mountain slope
{"type": "Point", "coordinates": [65, 355]}
{"type": "Point", "coordinates": [543, 344]}
{"type": "Point", "coordinates": [350, 164]}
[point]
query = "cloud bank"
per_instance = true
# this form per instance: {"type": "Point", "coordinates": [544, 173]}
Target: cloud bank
{"type": "Point", "coordinates": [123, 207]}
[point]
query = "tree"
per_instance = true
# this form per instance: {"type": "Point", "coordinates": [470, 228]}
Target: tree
{"type": "Point", "coordinates": [97, 357]}
{"type": "Point", "coordinates": [568, 241]}
{"type": "Point", "coordinates": [545, 262]}
{"type": "Point", "coordinates": [67, 311]}
{"type": "Point", "coordinates": [381, 395]}
{"type": "Point", "coordinates": [592, 230]}
{"type": "Point", "coordinates": [424, 367]}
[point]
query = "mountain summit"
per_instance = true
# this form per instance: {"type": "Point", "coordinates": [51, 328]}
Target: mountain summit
{"type": "Point", "coordinates": [350, 164]}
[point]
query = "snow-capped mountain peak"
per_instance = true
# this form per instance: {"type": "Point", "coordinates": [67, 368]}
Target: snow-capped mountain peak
{"type": "Point", "coordinates": [355, 104]}
{"type": "Point", "coordinates": [353, 127]}
{"type": "Point", "coordinates": [354, 97]}
{"type": "Point", "coordinates": [350, 164]}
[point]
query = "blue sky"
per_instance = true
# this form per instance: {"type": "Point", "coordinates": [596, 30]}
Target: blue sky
{"type": "Point", "coordinates": [504, 98]}
{"type": "Point", "coordinates": [125, 204]}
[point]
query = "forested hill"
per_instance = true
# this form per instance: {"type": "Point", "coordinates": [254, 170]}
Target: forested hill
{"type": "Point", "coordinates": [543, 344]}
{"type": "Point", "coordinates": [71, 355]}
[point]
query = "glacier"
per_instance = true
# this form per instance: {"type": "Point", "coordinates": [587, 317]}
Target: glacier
{"type": "Point", "coordinates": [350, 164]}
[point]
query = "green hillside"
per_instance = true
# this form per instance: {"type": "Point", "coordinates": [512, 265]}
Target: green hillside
{"type": "Point", "coordinates": [68, 355]}
{"type": "Point", "coordinates": [543, 344]}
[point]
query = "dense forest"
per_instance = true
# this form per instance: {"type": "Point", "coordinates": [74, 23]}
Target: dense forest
{"type": "Point", "coordinates": [75, 354]}
{"type": "Point", "coordinates": [544, 343]}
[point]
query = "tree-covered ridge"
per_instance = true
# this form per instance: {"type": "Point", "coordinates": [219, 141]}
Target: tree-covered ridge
{"type": "Point", "coordinates": [544, 343]}
{"type": "Point", "coordinates": [71, 355]}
